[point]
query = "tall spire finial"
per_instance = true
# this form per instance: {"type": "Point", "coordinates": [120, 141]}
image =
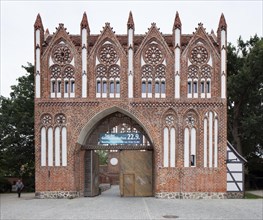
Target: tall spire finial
{"type": "Point", "coordinates": [222, 23]}
{"type": "Point", "coordinates": [84, 23]}
{"type": "Point", "coordinates": [177, 22]}
{"type": "Point", "coordinates": [38, 23]}
{"type": "Point", "coordinates": [130, 23]}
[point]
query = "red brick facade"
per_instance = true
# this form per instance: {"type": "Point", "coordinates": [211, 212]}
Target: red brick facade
{"type": "Point", "coordinates": [61, 59]}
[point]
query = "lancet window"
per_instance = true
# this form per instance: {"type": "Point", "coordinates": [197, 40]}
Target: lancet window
{"type": "Point", "coordinates": [211, 139]}
{"type": "Point", "coordinates": [62, 72]}
{"type": "Point", "coordinates": [169, 141]}
{"type": "Point", "coordinates": [153, 71]}
{"type": "Point", "coordinates": [190, 140]}
{"type": "Point", "coordinates": [108, 72]}
{"type": "Point", "coordinates": [199, 73]}
{"type": "Point", "coordinates": [53, 142]}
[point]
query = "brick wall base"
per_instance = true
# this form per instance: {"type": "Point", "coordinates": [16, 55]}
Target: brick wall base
{"type": "Point", "coordinates": [191, 195]}
{"type": "Point", "coordinates": [57, 195]}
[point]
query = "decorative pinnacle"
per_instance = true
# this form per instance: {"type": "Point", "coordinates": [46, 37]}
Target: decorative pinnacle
{"type": "Point", "coordinates": [38, 23]}
{"type": "Point", "coordinates": [84, 23]}
{"type": "Point", "coordinates": [130, 23]}
{"type": "Point", "coordinates": [177, 22]}
{"type": "Point", "coordinates": [222, 23]}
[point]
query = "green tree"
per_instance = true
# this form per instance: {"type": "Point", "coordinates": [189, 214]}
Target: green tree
{"type": "Point", "coordinates": [245, 93]}
{"type": "Point", "coordinates": [17, 128]}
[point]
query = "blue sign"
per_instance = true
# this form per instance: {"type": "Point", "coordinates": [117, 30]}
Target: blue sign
{"type": "Point", "coordinates": [121, 138]}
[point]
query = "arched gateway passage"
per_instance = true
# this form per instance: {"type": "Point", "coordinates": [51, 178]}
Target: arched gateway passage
{"type": "Point", "coordinates": [130, 156]}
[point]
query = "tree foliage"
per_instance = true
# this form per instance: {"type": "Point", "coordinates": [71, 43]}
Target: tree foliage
{"type": "Point", "coordinates": [17, 128]}
{"type": "Point", "coordinates": [245, 97]}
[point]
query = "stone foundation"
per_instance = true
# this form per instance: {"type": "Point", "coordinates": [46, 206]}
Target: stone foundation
{"type": "Point", "coordinates": [235, 195]}
{"type": "Point", "coordinates": [191, 195]}
{"type": "Point", "coordinates": [57, 195]}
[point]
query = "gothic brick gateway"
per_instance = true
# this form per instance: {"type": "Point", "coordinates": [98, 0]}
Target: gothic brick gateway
{"type": "Point", "coordinates": [171, 86]}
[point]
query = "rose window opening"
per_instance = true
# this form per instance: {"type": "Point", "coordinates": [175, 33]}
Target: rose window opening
{"type": "Point", "coordinates": [62, 55]}
{"type": "Point", "coordinates": [169, 120]}
{"type": "Point", "coordinates": [108, 55]}
{"type": "Point", "coordinates": [199, 55]}
{"type": "Point", "coordinates": [46, 120]}
{"type": "Point", "coordinates": [60, 119]}
{"type": "Point", "coordinates": [153, 55]}
{"type": "Point", "coordinates": [69, 72]}
{"type": "Point", "coordinates": [55, 72]}
{"type": "Point", "coordinates": [190, 121]}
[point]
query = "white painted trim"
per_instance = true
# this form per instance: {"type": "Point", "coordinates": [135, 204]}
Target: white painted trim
{"type": "Point", "coordinates": [215, 143]}
{"type": "Point", "coordinates": [172, 147]}
{"type": "Point", "coordinates": [43, 147]}
{"type": "Point", "coordinates": [57, 146]}
{"type": "Point", "coordinates": [186, 147]}
{"type": "Point", "coordinates": [205, 142]}
{"type": "Point", "coordinates": [37, 86]}
{"type": "Point", "coordinates": [38, 37]}
{"type": "Point", "coordinates": [50, 147]}
{"type": "Point", "coordinates": [165, 147]}
{"type": "Point", "coordinates": [64, 146]}
{"type": "Point", "coordinates": [83, 37]}
{"type": "Point", "coordinates": [210, 143]}
{"type": "Point", "coordinates": [193, 143]}
{"type": "Point", "coordinates": [84, 86]}
{"type": "Point", "coordinates": [177, 87]}
{"type": "Point", "coordinates": [177, 36]}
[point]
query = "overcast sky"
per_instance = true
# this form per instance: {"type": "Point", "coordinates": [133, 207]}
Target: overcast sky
{"type": "Point", "coordinates": [244, 18]}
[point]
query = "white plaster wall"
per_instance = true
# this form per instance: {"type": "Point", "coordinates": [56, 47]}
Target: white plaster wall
{"type": "Point", "coordinates": [43, 147]}
{"type": "Point", "coordinates": [186, 147]}
{"type": "Point", "coordinates": [57, 146]}
{"type": "Point", "coordinates": [50, 147]}
{"type": "Point", "coordinates": [165, 147]}
{"type": "Point", "coordinates": [172, 147]}
{"type": "Point", "coordinates": [64, 146]}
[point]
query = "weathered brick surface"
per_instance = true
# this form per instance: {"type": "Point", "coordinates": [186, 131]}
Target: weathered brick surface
{"type": "Point", "coordinates": [148, 112]}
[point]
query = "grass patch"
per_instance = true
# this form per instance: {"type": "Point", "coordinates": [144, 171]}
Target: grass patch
{"type": "Point", "coordinates": [252, 196]}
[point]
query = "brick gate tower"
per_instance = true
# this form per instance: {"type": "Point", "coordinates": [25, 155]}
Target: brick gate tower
{"type": "Point", "coordinates": [170, 88]}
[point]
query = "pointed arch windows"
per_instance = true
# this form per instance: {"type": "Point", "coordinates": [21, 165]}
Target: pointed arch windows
{"type": "Point", "coordinates": [153, 72]}
{"type": "Point", "coordinates": [62, 72]}
{"type": "Point", "coordinates": [169, 141]}
{"type": "Point", "coordinates": [190, 140]}
{"type": "Point", "coordinates": [108, 72]}
{"type": "Point", "coordinates": [53, 141]}
{"type": "Point", "coordinates": [199, 73]}
{"type": "Point", "coordinates": [211, 139]}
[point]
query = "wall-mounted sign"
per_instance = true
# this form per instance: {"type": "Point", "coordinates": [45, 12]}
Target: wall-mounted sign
{"type": "Point", "coordinates": [121, 138]}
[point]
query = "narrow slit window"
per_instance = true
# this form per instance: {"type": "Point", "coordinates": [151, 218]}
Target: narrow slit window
{"type": "Point", "coordinates": [163, 87]}
{"type": "Point", "coordinates": [189, 86]}
{"type": "Point", "coordinates": [53, 83]}
{"type": "Point", "coordinates": [111, 87]}
{"type": "Point", "coordinates": [118, 89]}
{"type": "Point", "coordinates": [149, 86]}
{"type": "Point", "coordinates": [104, 87]}
{"type": "Point", "coordinates": [98, 87]}
{"type": "Point", "coordinates": [195, 87]}
{"type": "Point", "coordinates": [72, 87]}
{"type": "Point", "coordinates": [157, 87]}
{"type": "Point", "coordinates": [59, 87]}
{"type": "Point", "coordinates": [202, 87]}
{"type": "Point", "coordinates": [143, 87]}
{"type": "Point", "coordinates": [192, 160]}
{"type": "Point", "coordinates": [208, 86]}
{"type": "Point", "coordinates": [66, 86]}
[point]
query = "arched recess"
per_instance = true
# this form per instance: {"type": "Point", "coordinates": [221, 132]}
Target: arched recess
{"type": "Point", "coordinates": [93, 122]}
{"type": "Point", "coordinates": [105, 122]}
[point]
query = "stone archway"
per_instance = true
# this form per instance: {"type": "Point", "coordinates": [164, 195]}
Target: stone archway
{"type": "Point", "coordinates": [135, 153]}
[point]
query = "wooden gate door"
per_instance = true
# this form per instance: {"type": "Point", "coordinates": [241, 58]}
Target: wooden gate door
{"type": "Point", "coordinates": [91, 174]}
{"type": "Point", "coordinates": [136, 173]}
